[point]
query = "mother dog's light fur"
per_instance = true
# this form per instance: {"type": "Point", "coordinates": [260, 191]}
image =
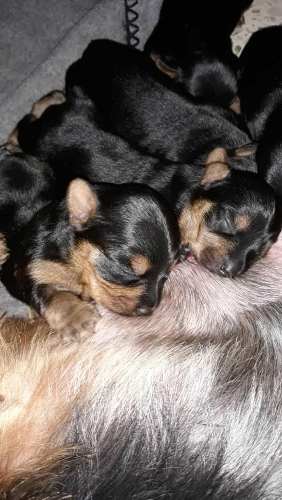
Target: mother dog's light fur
{"type": "Point", "coordinates": [186, 404]}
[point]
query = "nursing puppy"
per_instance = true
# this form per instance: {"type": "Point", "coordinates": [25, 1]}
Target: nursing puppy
{"type": "Point", "coordinates": [261, 95]}
{"type": "Point", "coordinates": [110, 244]}
{"type": "Point", "coordinates": [186, 404]}
{"type": "Point", "coordinates": [227, 218]}
{"type": "Point", "coordinates": [139, 104]}
{"type": "Point", "coordinates": [191, 44]}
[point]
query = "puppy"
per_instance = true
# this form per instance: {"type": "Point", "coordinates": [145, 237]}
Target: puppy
{"type": "Point", "coordinates": [26, 186]}
{"type": "Point", "coordinates": [261, 95]}
{"type": "Point", "coordinates": [138, 103]}
{"type": "Point", "coordinates": [111, 244]}
{"type": "Point", "coordinates": [186, 404]}
{"type": "Point", "coordinates": [191, 44]}
{"type": "Point", "coordinates": [227, 219]}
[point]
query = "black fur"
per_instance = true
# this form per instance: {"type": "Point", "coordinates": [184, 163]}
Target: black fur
{"type": "Point", "coordinates": [69, 137]}
{"type": "Point", "coordinates": [26, 185]}
{"type": "Point", "coordinates": [192, 39]}
{"type": "Point", "coordinates": [141, 105]}
{"type": "Point", "coordinates": [260, 89]}
{"type": "Point", "coordinates": [130, 220]}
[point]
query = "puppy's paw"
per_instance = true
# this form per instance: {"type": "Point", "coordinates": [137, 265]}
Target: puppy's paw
{"type": "Point", "coordinates": [71, 319]}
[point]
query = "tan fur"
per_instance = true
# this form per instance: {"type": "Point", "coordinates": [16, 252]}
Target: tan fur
{"type": "Point", "coordinates": [81, 201]}
{"type": "Point", "coordinates": [217, 155]}
{"type": "Point", "coordinates": [37, 110]}
{"type": "Point", "coordinates": [4, 252]}
{"type": "Point", "coordinates": [53, 98]}
{"type": "Point", "coordinates": [195, 234]}
{"type": "Point", "coordinates": [12, 142]}
{"type": "Point", "coordinates": [80, 276]}
{"type": "Point", "coordinates": [235, 105]}
{"type": "Point", "coordinates": [36, 396]}
{"type": "Point", "coordinates": [164, 68]}
{"type": "Point", "coordinates": [140, 264]}
{"type": "Point", "coordinates": [215, 172]}
{"type": "Point", "coordinates": [117, 298]}
{"type": "Point", "coordinates": [191, 220]}
{"type": "Point", "coordinates": [242, 222]}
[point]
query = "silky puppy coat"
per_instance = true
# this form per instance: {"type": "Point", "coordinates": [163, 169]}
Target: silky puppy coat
{"type": "Point", "coordinates": [191, 44]}
{"type": "Point", "coordinates": [227, 218]}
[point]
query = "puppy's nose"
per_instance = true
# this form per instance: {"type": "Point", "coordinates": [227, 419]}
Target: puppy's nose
{"type": "Point", "coordinates": [144, 310]}
{"type": "Point", "coordinates": [226, 270]}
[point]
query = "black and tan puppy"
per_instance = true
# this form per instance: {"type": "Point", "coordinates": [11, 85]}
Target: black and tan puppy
{"type": "Point", "coordinates": [141, 105]}
{"type": "Point", "coordinates": [110, 244]}
{"type": "Point", "coordinates": [191, 44]}
{"type": "Point", "coordinates": [227, 218]}
{"type": "Point", "coordinates": [260, 89]}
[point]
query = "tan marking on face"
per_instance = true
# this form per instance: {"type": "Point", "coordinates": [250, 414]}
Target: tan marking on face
{"type": "Point", "coordinates": [191, 219]}
{"type": "Point", "coordinates": [59, 275]}
{"type": "Point", "coordinates": [210, 245]}
{"type": "Point", "coordinates": [140, 264]}
{"type": "Point", "coordinates": [242, 222]}
{"type": "Point", "coordinates": [80, 276]}
{"type": "Point", "coordinates": [53, 98]}
{"type": "Point", "coordinates": [194, 232]}
{"type": "Point", "coordinates": [4, 252]}
{"type": "Point", "coordinates": [163, 67]}
{"type": "Point", "coordinates": [117, 298]}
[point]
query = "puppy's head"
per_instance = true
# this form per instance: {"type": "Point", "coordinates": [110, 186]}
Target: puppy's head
{"type": "Point", "coordinates": [205, 68]}
{"type": "Point", "coordinates": [127, 240]}
{"type": "Point", "coordinates": [231, 220]}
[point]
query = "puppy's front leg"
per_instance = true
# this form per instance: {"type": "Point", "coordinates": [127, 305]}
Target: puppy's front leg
{"type": "Point", "coordinates": [72, 318]}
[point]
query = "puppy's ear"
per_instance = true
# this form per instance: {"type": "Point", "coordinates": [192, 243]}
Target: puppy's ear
{"type": "Point", "coordinates": [235, 105]}
{"type": "Point", "coordinates": [164, 67]}
{"type": "Point", "coordinates": [82, 203]}
{"type": "Point", "coordinates": [243, 151]}
{"type": "Point", "coordinates": [216, 169]}
{"type": "Point", "coordinates": [217, 155]}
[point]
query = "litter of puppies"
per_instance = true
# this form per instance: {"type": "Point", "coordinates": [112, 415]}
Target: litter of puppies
{"type": "Point", "coordinates": [140, 218]}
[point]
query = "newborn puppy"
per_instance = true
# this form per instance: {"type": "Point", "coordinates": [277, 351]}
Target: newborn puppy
{"type": "Point", "coordinates": [186, 404]}
{"type": "Point", "coordinates": [261, 96]}
{"type": "Point", "coordinates": [138, 103]}
{"type": "Point", "coordinates": [110, 244]}
{"type": "Point", "coordinates": [227, 218]}
{"type": "Point", "coordinates": [191, 44]}
{"type": "Point", "coordinates": [26, 185]}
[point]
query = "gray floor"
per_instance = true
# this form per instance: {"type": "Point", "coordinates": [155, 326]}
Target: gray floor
{"type": "Point", "coordinates": [40, 38]}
